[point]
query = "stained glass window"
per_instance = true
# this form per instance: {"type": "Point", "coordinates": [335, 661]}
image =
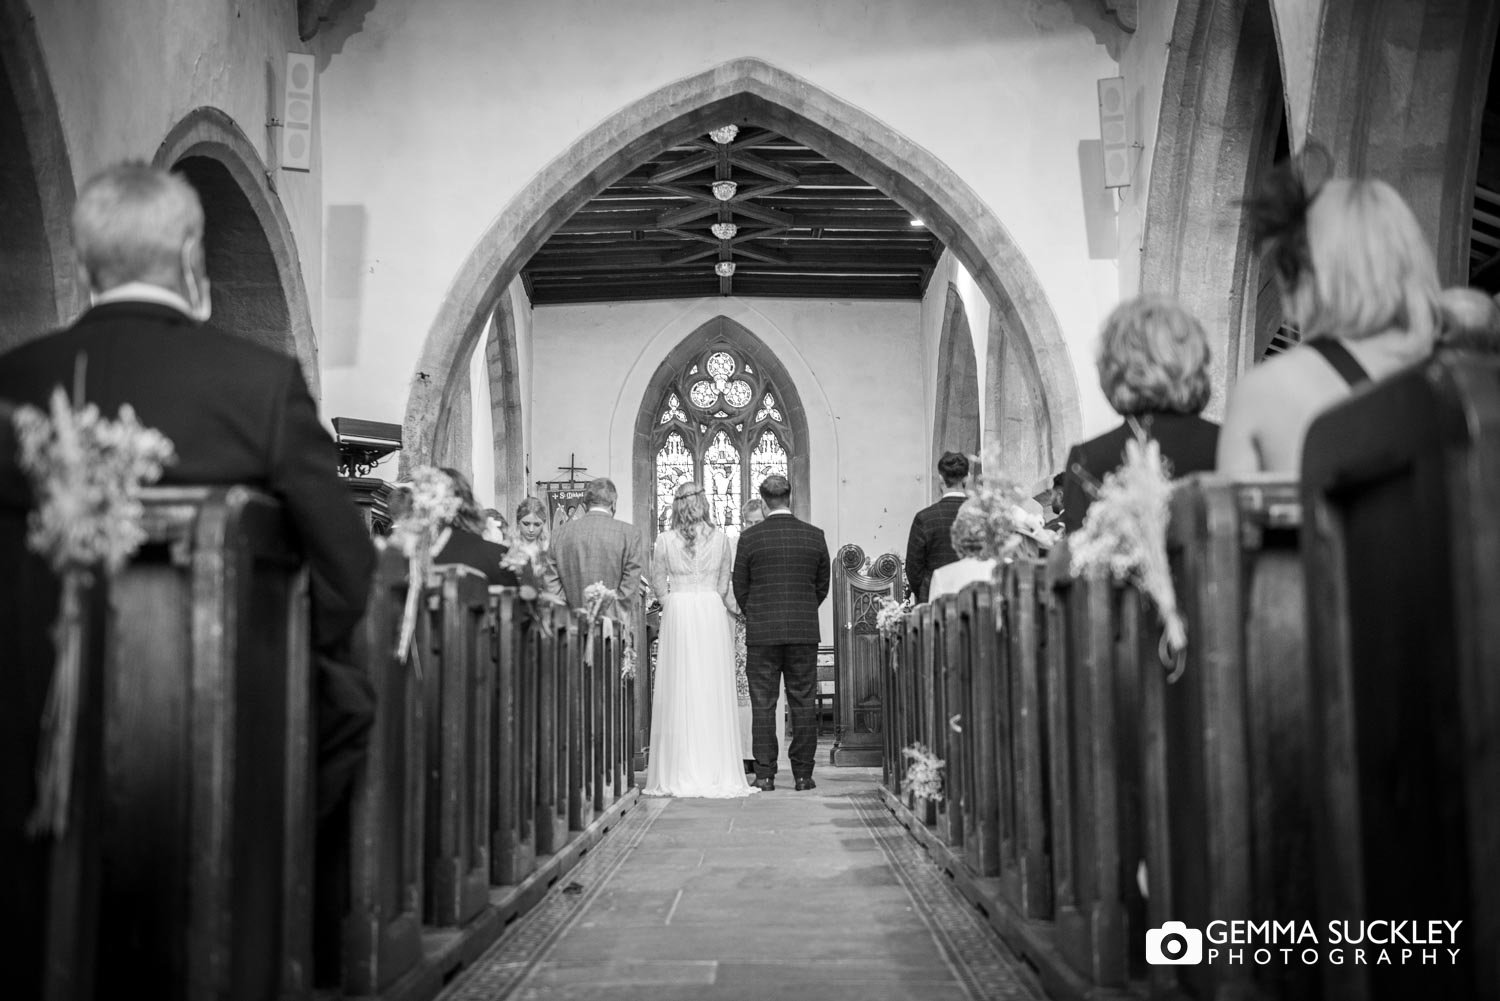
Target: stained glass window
{"type": "Point", "coordinates": [721, 426]}
{"type": "Point", "coordinates": [769, 457]}
{"type": "Point", "coordinates": [674, 465]}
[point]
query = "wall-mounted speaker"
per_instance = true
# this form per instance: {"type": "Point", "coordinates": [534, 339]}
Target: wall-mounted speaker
{"type": "Point", "coordinates": [297, 112]}
{"type": "Point", "coordinates": [1114, 134]}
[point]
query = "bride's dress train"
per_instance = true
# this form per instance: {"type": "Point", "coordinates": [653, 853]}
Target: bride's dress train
{"type": "Point", "coordinates": [695, 738]}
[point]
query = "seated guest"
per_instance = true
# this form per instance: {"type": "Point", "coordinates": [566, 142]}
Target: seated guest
{"type": "Point", "coordinates": [967, 536]}
{"type": "Point", "coordinates": [1153, 368]}
{"type": "Point", "coordinates": [927, 545]}
{"type": "Point", "coordinates": [1471, 321]}
{"type": "Point", "coordinates": [236, 413]}
{"type": "Point", "coordinates": [1358, 279]}
{"type": "Point", "coordinates": [496, 528]}
{"type": "Point", "coordinates": [463, 540]}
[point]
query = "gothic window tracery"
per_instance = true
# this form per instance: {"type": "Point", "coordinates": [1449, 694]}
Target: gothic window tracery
{"type": "Point", "coordinates": [719, 424]}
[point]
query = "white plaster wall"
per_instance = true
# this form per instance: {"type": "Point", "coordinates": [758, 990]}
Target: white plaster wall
{"type": "Point", "coordinates": [125, 73]}
{"type": "Point", "coordinates": [855, 365]}
{"type": "Point", "coordinates": [482, 425]}
{"type": "Point", "coordinates": [417, 103]}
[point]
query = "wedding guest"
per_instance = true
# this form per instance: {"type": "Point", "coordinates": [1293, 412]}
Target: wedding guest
{"type": "Point", "coordinates": [1471, 321]}
{"type": "Point", "coordinates": [496, 528]}
{"type": "Point", "coordinates": [927, 545]}
{"type": "Point", "coordinates": [531, 525]}
{"type": "Point", "coordinates": [463, 540]}
{"type": "Point", "coordinates": [236, 413]}
{"type": "Point", "coordinates": [1153, 367]}
{"type": "Point", "coordinates": [1358, 279]}
{"type": "Point", "coordinates": [967, 536]}
{"type": "Point", "coordinates": [597, 548]}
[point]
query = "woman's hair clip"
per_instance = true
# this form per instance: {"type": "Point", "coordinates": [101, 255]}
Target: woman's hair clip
{"type": "Point", "coordinates": [1277, 211]}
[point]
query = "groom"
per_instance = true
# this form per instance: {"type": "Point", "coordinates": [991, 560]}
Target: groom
{"type": "Point", "coordinates": [780, 578]}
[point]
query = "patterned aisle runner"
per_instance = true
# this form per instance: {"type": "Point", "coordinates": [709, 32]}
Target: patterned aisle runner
{"type": "Point", "coordinates": [817, 895]}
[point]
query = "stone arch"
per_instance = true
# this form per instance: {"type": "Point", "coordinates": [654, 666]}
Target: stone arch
{"type": "Point", "coordinates": [750, 90]}
{"type": "Point", "coordinates": [1398, 93]}
{"type": "Point", "coordinates": [258, 291]}
{"type": "Point", "coordinates": [1223, 107]}
{"type": "Point", "coordinates": [38, 284]}
{"type": "Point", "coordinates": [503, 367]}
{"type": "Point", "coordinates": [720, 329]}
{"type": "Point", "coordinates": [955, 425]}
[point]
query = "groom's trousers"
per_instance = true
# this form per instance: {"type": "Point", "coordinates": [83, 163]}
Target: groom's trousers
{"type": "Point", "coordinates": [765, 667]}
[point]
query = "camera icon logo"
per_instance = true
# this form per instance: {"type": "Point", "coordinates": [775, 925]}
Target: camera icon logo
{"type": "Point", "coordinates": [1174, 944]}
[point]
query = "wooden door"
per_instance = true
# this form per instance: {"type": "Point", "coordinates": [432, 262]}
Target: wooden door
{"type": "Point", "coordinates": [858, 586]}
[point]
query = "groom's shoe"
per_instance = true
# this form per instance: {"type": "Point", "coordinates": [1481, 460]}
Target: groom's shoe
{"type": "Point", "coordinates": [765, 785]}
{"type": "Point", "coordinates": [806, 783]}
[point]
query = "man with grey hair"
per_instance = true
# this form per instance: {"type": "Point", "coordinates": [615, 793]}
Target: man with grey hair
{"type": "Point", "coordinates": [595, 548]}
{"type": "Point", "coordinates": [236, 413]}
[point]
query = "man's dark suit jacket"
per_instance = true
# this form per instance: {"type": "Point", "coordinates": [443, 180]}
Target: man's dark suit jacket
{"type": "Point", "coordinates": [474, 550]}
{"type": "Point", "coordinates": [1188, 443]}
{"type": "Point", "coordinates": [930, 543]}
{"type": "Point", "coordinates": [235, 412]}
{"type": "Point", "coordinates": [781, 575]}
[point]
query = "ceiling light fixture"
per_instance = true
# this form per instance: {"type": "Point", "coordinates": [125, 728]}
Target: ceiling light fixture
{"type": "Point", "coordinates": [724, 230]}
{"type": "Point", "coordinates": [918, 222]}
{"type": "Point", "coordinates": [724, 134]}
{"type": "Point", "coordinates": [724, 269]}
{"type": "Point", "coordinates": [724, 190]}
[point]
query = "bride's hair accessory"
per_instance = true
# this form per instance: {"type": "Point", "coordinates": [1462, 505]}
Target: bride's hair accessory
{"type": "Point", "coordinates": [1277, 212]}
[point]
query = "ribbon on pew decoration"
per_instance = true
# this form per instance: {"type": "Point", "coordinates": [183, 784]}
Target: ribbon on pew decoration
{"type": "Point", "coordinates": [429, 504]}
{"type": "Point", "coordinates": [86, 472]}
{"type": "Point", "coordinates": [1124, 537]}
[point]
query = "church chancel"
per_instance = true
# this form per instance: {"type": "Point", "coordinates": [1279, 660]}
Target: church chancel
{"type": "Point", "coordinates": [986, 430]}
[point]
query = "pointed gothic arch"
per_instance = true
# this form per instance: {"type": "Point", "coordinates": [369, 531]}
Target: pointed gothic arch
{"type": "Point", "coordinates": [955, 424]}
{"type": "Point", "coordinates": [256, 277]}
{"type": "Point", "coordinates": [38, 285]}
{"type": "Point", "coordinates": [1223, 108]}
{"type": "Point", "coordinates": [763, 372]}
{"type": "Point", "coordinates": [1046, 422]}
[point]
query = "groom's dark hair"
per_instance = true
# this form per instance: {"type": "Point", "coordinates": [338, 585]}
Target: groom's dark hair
{"type": "Point", "coordinates": [953, 467]}
{"type": "Point", "coordinates": [776, 491]}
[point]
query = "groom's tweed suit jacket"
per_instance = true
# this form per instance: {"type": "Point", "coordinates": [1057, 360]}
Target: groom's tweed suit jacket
{"type": "Point", "coordinates": [780, 578]}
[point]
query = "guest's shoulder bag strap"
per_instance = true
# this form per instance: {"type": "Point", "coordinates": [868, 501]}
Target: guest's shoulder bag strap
{"type": "Point", "coordinates": [1344, 363]}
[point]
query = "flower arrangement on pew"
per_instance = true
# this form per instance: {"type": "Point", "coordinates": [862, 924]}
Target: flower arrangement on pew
{"type": "Point", "coordinates": [890, 615]}
{"type": "Point", "coordinates": [430, 504]}
{"type": "Point", "coordinates": [924, 776]}
{"type": "Point", "coordinates": [597, 600]}
{"type": "Point", "coordinates": [1010, 530]}
{"type": "Point", "coordinates": [526, 561]}
{"type": "Point", "coordinates": [86, 472]}
{"type": "Point", "coordinates": [1124, 538]}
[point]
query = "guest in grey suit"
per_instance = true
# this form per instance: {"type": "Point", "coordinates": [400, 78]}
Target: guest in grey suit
{"type": "Point", "coordinates": [596, 548]}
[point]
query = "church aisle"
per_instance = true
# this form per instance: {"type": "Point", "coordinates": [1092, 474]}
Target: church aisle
{"type": "Point", "coordinates": [820, 895]}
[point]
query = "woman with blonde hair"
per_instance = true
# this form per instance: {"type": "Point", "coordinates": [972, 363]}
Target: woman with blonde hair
{"type": "Point", "coordinates": [1358, 280]}
{"type": "Point", "coordinates": [695, 741]}
{"type": "Point", "coordinates": [1153, 368]}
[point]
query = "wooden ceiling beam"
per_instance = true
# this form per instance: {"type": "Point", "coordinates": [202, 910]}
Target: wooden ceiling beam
{"type": "Point", "coordinates": [763, 214]}
{"type": "Point", "coordinates": [756, 165]}
{"type": "Point", "coordinates": [673, 220]}
{"type": "Point", "coordinates": [687, 234]}
{"type": "Point", "coordinates": [682, 168]}
{"type": "Point", "coordinates": [696, 254]}
{"type": "Point", "coordinates": [757, 254]}
{"type": "Point", "coordinates": [751, 140]}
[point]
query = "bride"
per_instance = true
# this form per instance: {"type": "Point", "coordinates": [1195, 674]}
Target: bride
{"type": "Point", "coordinates": [695, 740]}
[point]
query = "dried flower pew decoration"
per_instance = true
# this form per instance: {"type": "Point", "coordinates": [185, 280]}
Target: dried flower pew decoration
{"type": "Point", "coordinates": [1010, 530]}
{"type": "Point", "coordinates": [86, 472]}
{"type": "Point", "coordinates": [430, 503]}
{"type": "Point", "coordinates": [924, 776]}
{"type": "Point", "coordinates": [1124, 537]}
{"type": "Point", "coordinates": [890, 616]}
{"type": "Point", "coordinates": [597, 600]}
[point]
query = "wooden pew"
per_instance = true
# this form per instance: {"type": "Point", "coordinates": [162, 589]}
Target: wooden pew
{"type": "Point", "coordinates": [1025, 799]}
{"type": "Point", "coordinates": [1401, 484]}
{"type": "Point", "coordinates": [50, 907]}
{"type": "Point", "coordinates": [1091, 765]}
{"type": "Point", "coordinates": [383, 929]}
{"type": "Point", "coordinates": [1227, 768]}
{"type": "Point", "coordinates": [453, 647]}
{"type": "Point", "coordinates": [975, 607]}
{"type": "Point", "coordinates": [207, 843]}
{"type": "Point", "coordinates": [513, 738]}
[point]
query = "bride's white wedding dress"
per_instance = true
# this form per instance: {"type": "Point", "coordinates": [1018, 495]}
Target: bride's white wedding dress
{"type": "Point", "coordinates": [695, 739]}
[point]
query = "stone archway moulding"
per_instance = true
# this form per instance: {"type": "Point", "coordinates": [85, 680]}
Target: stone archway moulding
{"type": "Point", "coordinates": [209, 132]}
{"type": "Point", "coordinates": [744, 90]}
{"type": "Point", "coordinates": [955, 423]}
{"type": "Point", "coordinates": [1222, 101]}
{"type": "Point", "coordinates": [25, 70]}
{"type": "Point", "coordinates": [1399, 91]}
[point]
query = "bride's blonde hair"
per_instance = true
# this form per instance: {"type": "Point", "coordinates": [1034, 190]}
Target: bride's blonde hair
{"type": "Point", "coordinates": [691, 517]}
